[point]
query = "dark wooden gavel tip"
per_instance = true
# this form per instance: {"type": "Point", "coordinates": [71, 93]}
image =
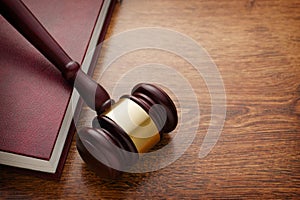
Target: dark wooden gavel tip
{"type": "Point", "coordinates": [159, 97]}
{"type": "Point", "coordinates": [107, 149]}
{"type": "Point", "coordinates": [101, 152]}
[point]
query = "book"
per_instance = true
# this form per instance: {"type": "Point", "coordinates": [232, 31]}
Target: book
{"type": "Point", "coordinates": [37, 104]}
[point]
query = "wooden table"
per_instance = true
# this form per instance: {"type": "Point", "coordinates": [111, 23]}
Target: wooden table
{"type": "Point", "coordinates": [256, 47]}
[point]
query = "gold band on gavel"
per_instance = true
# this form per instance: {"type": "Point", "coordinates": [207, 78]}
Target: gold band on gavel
{"type": "Point", "coordinates": [136, 122]}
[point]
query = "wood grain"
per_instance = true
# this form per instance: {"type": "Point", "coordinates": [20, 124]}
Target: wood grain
{"type": "Point", "coordinates": [256, 46]}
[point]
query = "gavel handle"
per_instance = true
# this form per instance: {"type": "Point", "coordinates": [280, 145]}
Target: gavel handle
{"type": "Point", "coordinates": [22, 19]}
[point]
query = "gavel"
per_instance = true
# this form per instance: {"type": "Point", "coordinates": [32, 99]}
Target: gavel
{"type": "Point", "coordinates": [122, 130]}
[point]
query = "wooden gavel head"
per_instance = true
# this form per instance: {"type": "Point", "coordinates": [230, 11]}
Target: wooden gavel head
{"type": "Point", "coordinates": [131, 126]}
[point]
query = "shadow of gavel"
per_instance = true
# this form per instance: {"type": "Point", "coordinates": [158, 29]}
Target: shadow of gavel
{"type": "Point", "coordinates": [122, 130]}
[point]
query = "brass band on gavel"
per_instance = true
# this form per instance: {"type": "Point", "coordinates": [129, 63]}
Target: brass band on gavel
{"type": "Point", "coordinates": [136, 122]}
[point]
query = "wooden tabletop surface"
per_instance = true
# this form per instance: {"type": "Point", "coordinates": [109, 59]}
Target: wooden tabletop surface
{"type": "Point", "coordinates": [256, 48]}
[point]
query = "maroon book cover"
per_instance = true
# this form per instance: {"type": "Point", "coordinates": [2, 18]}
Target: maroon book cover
{"type": "Point", "coordinates": [36, 117]}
